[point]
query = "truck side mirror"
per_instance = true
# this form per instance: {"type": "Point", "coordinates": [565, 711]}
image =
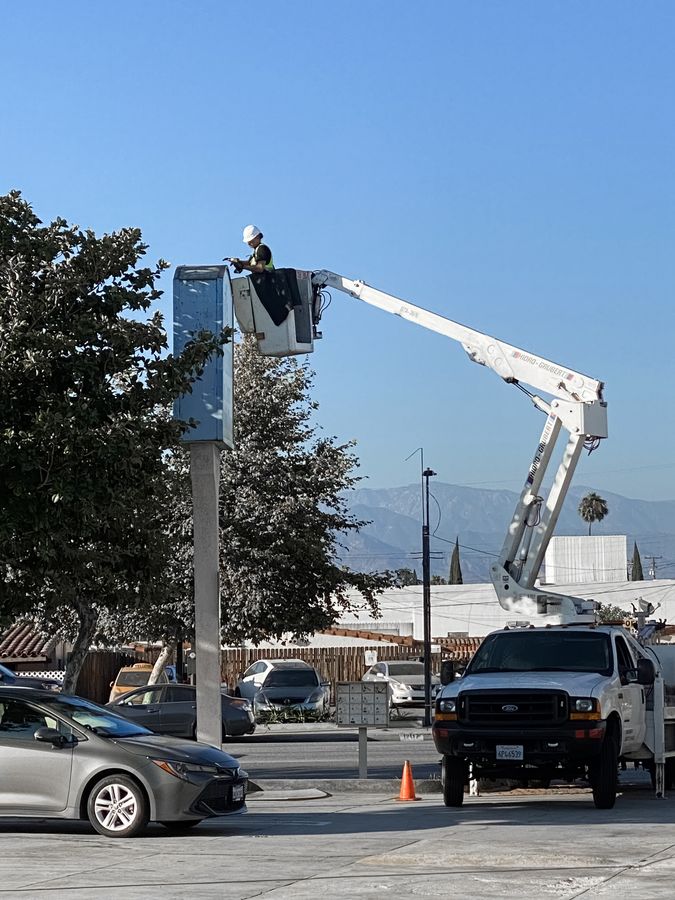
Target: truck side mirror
{"type": "Point", "coordinates": [447, 671]}
{"type": "Point", "coordinates": [645, 672]}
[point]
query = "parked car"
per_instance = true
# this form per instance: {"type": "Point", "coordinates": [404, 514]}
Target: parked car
{"type": "Point", "coordinates": [130, 677]}
{"type": "Point", "coordinates": [296, 690]}
{"type": "Point", "coordinates": [172, 709]}
{"type": "Point", "coordinates": [406, 680]}
{"type": "Point", "coordinates": [68, 758]}
{"type": "Point", "coordinates": [252, 679]}
{"type": "Point", "coordinates": [7, 677]}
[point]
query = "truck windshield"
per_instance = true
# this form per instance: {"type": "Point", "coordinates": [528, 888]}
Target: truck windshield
{"type": "Point", "coordinates": [543, 651]}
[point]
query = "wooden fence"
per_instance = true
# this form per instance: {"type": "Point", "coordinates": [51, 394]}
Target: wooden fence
{"type": "Point", "coordinates": [99, 669]}
{"type": "Point", "coordinates": [333, 663]}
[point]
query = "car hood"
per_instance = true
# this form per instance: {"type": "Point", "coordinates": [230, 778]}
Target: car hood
{"type": "Point", "coordinates": [162, 747]}
{"type": "Point", "coordinates": [292, 693]}
{"type": "Point", "coordinates": [574, 683]}
{"type": "Point", "coordinates": [416, 680]}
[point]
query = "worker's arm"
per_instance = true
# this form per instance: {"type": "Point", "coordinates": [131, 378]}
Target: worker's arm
{"type": "Point", "coordinates": [262, 255]}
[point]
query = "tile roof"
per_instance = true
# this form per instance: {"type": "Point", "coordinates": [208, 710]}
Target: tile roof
{"type": "Point", "coordinates": [22, 641]}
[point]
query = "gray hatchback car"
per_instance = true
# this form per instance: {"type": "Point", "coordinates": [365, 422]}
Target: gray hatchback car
{"type": "Point", "coordinates": [65, 757]}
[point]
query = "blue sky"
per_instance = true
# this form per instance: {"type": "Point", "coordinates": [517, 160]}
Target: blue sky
{"type": "Point", "coordinates": [509, 165]}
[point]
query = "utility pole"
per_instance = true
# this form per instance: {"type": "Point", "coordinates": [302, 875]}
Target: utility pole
{"type": "Point", "coordinates": [426, 597]}
{"type": "Point", "coordinates": [652, 568]}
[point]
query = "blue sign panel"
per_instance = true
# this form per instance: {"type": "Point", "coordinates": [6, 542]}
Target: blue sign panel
{"type": "Point", "coordinates": [202, 301]}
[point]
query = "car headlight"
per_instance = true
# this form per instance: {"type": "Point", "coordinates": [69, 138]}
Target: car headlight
{"type": "Point", "coordinates": [315, 696]}
{"type": "Point", "coordinates": [184, 769]}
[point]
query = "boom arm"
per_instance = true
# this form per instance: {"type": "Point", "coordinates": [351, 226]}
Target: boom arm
{"type": "Point", "coordinates": [577, 405]}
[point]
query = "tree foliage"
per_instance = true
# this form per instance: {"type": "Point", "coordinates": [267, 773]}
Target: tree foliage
{"type": "Point", "coordinates": [592, 508]}
{"type": "Point", "coordinates": [283, 508]}
{"type": "Point", "coordinates": [609, 613]}
{"type": "Point", "coordinates": [84, 423]}
{"type": "Point", "coordinates": [405, 577]}
{"type": "Point", "coordinates": [636, 573]}
{"type": "Point", "coordinates": [455, 566]}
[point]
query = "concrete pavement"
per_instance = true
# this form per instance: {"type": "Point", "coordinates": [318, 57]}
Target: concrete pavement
{"type": "Point", "coordinates": [363, 845]}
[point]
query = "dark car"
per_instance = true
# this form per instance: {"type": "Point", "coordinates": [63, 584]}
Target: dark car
{"type": "Point", "coordinates": [7, 678]}
{"type": "Point", "coordinates": [292, 691]}
{"type": "Point", "coordinates": [67, 758]}
{"type": "Point", "coordinates": [172, 709]}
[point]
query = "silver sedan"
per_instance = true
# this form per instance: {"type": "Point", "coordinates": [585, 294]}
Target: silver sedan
{"type": "Point", "coordinates": [65, 757]}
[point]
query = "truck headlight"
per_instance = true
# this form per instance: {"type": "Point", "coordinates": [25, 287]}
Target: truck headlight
{"type": "Point", "coordinates": [583, 704]}
{"type": "Point", "coordinates": [584, 708]}
{"type": "Point", "coordinates": [447, 706]}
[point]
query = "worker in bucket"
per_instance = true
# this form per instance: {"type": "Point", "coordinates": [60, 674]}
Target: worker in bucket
{"type": "Point", "coordinates": [261, 257]}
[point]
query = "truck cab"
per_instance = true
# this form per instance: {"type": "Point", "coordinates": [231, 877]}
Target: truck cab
{"type": "Point", "coordinates": [561, 701]}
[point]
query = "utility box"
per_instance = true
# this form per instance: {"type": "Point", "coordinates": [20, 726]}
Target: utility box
{"type": "Point", "coordinates": [202, 301]}
{"type": "Point", "coordinates": [278, 308]}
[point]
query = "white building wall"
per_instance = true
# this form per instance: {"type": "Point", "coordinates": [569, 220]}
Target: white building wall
{"type": "Point", "coordinates": [584, 559]}
{"type": "Point", "coordinates": [474, 609]}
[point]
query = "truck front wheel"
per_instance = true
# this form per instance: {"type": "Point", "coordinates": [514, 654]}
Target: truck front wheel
{"type": "Point", "coordinates": [603, 773]}
{"type": "Point", "coordinates": [453, 777]}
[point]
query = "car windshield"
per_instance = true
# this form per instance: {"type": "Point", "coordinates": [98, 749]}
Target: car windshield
{"type": "Point", "coordinates": [409, 668]}
{"type": "Point", "coordinates": [133, 678]}
{"type": "Point", "coordinates": [291, 678]}
{"type": "Point", "coordinates": [543, 651]}
{"type": "Point", "coordinates": [93, 717]}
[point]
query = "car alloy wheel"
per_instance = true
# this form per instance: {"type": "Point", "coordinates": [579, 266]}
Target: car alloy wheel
{"type": "Point", "coordinates": [117, 807]}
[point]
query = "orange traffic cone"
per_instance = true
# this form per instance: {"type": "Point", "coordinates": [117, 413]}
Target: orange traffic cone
{"type": "Point", "coordinates": [407, 784]}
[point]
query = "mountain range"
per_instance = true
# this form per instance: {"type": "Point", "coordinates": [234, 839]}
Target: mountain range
{"type": "Point", "coordinates": [479, 518]}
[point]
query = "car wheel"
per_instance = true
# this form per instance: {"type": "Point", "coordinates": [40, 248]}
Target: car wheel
{"type": "Point", "coordinates": [117, 807]}
{"type": "Point", "coordinates": [182, 824]}
{"type": "Point", "coordinates": [453, 776]}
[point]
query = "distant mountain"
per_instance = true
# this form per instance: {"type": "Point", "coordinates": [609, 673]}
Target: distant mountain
{"type": "Point", "coordinates": [479, 518]}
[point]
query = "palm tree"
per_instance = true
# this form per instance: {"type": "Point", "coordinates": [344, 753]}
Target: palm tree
{"type": "Point", "coordinates": [592, 509]}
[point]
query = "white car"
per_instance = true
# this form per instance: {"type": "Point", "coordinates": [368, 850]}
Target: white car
{"type": "Point", "coordinates": [406, 681]}
{"type": "Point", "coordinates": [250, 682]}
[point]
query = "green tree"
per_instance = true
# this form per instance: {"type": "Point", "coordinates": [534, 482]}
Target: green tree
{"type": "Point", "coordinates": [283, 508]}
{"type": "Point", "coordinates": [455, 567]}
{"type": "Point", "coordinates": [438, 579]}
{"type": "Point", "coordinates": [636, 569]}
{"type": "Point", "coordinates": [405, 577]}
{"type": "Point", "coordinates": [592, 508]}
{"type": "Point", "coordinates": [86, 389]}
{"type": "Point", "coordinates": [608, 613]}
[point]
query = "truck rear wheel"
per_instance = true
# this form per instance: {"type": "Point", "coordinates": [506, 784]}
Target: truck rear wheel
{"type": "Point", "coordinates": [453, 776]}
{"type": "Point", "coordinates": [604, 775]}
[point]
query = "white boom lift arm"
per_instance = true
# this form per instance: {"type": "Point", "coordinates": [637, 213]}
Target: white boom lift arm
{"type": "Point", "coordinates": [577, 406]}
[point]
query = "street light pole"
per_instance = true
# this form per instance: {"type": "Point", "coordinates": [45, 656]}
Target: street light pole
{"type": "Point", "coordinates": [426, 597]}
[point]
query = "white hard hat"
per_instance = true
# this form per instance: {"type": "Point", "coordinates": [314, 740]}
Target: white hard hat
{"type": "Point", "coordinates": [250, 232]}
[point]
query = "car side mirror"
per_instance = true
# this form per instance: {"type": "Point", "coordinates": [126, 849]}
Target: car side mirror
{"type": "Point", "coordinates": [645, 672]}
{"type": "Point", "coordinates": [51, 736]}
{"type": "Point", "coordinates": [447, 671]}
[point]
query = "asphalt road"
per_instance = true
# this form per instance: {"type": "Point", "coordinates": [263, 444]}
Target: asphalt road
{"type": "Point", "coordinates": [332, 755]}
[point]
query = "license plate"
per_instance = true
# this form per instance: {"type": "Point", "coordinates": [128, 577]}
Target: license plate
{"type": "Point", "coordinates": [509, 751]}
{"type": "Point", "coordinates": [237, 793]}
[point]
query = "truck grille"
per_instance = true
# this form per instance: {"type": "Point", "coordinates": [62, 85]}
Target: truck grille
{"type": "Point", "coordinates": [512, 707]}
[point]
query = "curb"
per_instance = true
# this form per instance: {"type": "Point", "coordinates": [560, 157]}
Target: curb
{"type": "Point", "coordinates": [344, 785]}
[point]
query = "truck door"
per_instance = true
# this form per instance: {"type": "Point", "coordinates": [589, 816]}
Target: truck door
{"type": "Point", "coordinates": [631, 697]}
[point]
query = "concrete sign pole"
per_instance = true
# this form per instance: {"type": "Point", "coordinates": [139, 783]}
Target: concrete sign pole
{"type": "Point", "coordinates": [205, 473]}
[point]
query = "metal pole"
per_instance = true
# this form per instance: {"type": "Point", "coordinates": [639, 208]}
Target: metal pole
{"type": "Point", "coordinates": [205, 472]}
{"type": "Point", "coordinates": [363, 751]}
{"type": "Point", "coordinates": [426, 598]}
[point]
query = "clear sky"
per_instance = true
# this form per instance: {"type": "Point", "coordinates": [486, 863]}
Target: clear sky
{"type": "Point", "coordinates": [509, 165]}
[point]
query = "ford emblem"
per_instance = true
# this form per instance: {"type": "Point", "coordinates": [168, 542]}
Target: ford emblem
{"type": "Point", "coordinates": [509, 707]}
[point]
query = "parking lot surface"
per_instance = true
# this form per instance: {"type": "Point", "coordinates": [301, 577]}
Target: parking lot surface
{"type": "Point", "coordinates": [362, 845]}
